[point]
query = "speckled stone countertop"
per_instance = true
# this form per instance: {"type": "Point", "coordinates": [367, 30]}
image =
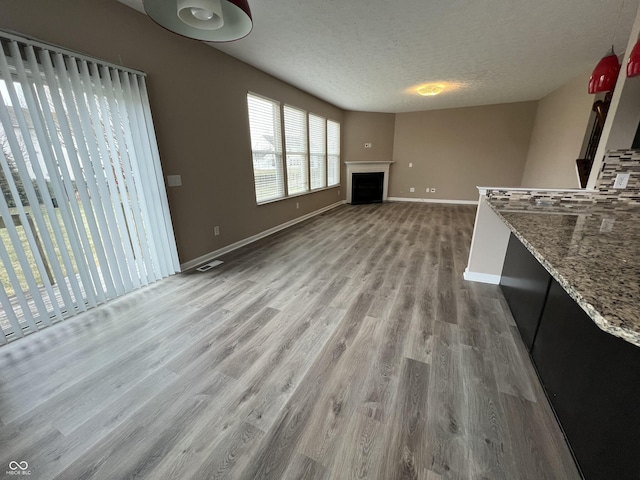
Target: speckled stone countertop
{"type": "Point", "coordinates": [592, 250]}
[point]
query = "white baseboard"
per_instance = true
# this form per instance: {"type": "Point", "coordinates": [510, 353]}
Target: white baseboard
{"type": "Point", "coordinates": [241, 243]}
{"type": "Point", "coordinates": [481, 277]}
{"type": "Point", "coordinates": [432, 200]}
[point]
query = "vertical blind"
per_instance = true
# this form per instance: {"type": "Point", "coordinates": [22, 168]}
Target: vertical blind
{"type": "Point", "coordinates": [333, 153]}
{"type": "Point", "coordinates": [84, 212]}
{"type": "Point", "coordinates": [295, 135]}
{"type": "Point", "coordinates": [317, 151]}
{"type": "Point", "coordinates": [266, 145]}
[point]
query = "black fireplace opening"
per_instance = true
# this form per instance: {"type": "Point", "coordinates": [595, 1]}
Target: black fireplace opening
{"type": "Point", "coordinates": [367, 187]}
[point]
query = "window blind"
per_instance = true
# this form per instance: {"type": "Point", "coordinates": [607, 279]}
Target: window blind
{"type": "Point", "coordinates": [266, 147]}
{"type": "Point", "coordinates": [295, 134]}
{"type": "Point", "coordinates": [84, 212]}
{"type": "Point", "coordinates": [333, 153]}
{"type": "Point", "coordinates": [317, 151]}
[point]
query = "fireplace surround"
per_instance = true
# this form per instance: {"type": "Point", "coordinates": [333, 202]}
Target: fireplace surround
{"type": "Point", "coordinates": [368, 167]}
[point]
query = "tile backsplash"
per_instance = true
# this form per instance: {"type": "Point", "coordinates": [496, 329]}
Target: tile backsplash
{"type": "Point", "coordinates": [615, 162]}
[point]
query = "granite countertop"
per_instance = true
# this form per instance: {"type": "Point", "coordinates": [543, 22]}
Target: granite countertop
{"type": "Point", "coordinates": [592, 250]}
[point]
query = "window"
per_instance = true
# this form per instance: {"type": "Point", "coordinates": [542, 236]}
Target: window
{"type": "Point", "coordinates": [305, 158]}
{"type": "Point", "coordinates": [83, 209]}
{"type": "Point", "coordinates": [333, 151]}
{"type": "Point", "coordinates": [295, 135]}
{"type": "Point", "coordinates": [266, 145]}
{"type": "Point", "coordinates": [318, 151]}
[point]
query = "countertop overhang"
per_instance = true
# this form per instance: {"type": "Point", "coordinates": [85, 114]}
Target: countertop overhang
{"type": "Point", "coordinates": [592, 250]}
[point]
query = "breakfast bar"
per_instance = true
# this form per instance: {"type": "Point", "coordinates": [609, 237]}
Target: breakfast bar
{"type": "Point", "coordinates": [572, 281]}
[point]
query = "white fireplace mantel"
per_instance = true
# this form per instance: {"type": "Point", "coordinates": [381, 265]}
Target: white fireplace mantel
{"type": "Point", "coordinates": [374, 167]}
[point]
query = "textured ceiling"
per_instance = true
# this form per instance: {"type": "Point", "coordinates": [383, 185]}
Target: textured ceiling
{"type": "Point", "coordinates": [367, 54]}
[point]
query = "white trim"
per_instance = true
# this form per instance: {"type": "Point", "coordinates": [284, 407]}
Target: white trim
{"type": "Point", "coordinates": [241, 243]}
{"type": "Point", "coordinates": [433, 200]}
{"type": "Point", "coordinates": [481, 277]}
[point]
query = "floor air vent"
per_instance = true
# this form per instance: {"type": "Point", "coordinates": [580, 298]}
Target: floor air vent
{"type": "Point", "coordinates": [209, 266]}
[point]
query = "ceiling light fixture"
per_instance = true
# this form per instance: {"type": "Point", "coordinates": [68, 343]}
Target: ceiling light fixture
{"type": "Point", "coordinates": [208, 20]}
{"type": "Point", "coordinates": [633, 65]}
{"type": "Point", "coordinates": [605, 75]}
{"type": "Point", "coordinates": [430, 89]}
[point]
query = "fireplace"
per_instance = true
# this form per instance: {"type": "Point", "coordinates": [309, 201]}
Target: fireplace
{"type": "Point", "coordinates": [367, 187]}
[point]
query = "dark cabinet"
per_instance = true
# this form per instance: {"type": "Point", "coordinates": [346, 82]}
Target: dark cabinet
{"type": "Point", "coordinates": [524, 283]}
{"type": "Point", "coordinates": [592, 380]}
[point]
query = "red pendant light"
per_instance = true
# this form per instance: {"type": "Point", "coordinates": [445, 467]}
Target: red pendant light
{"type": "Point", "coordinates": [633, 65]}
{"type": "Point", "coordinates": [605, 75]}
{"type": "Point", "coordinates": [208, 20]}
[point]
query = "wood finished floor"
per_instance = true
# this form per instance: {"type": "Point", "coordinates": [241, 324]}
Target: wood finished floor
{"type": "Point", "coordinates": [345, 347]}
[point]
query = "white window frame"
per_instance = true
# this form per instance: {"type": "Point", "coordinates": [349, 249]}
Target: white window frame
{"type": "Point", "coordinates": [281, 156]}
{"type": "Point", "coordinates": [276, 151]}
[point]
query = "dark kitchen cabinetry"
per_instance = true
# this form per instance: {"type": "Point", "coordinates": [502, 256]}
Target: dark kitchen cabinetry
{"type": "Point", "coordinates": [524, 283]}
{"type": "Point", "coordinates": [592, 380]}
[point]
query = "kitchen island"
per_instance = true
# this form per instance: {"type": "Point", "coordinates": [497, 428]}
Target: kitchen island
{"type": "Point", "coordinates": [571, 278]}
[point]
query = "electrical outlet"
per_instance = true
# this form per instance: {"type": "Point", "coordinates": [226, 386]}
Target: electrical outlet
{"type": "Point", "coordinates": [412, 189]}
{"type": "Point", "coordinates": [338, 192]}
{"type": "Point", "coordinates": [433, 190]}
{"type": "Point", "coordinates": [621, 180]}
{"type": "Point", "coordinates": [216, 230]}
{"type": "Point", "coordinates": [368, 145]}
{"type": "Point", "coordinates": [297, 205]}
{"type": "Point", "coordinates": [427, 189]}
{"type": "Point", "coordinates": [410, 164]}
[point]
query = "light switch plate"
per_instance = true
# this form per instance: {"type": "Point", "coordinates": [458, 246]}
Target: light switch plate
{"type": "Point", "coordinates": [174, 180]}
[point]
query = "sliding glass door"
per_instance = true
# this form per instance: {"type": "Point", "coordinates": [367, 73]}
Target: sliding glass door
{"type": "Point", "coordinates": [84, 213]}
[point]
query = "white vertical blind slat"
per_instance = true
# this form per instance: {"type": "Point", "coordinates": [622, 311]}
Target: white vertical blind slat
{"type": "Point", "coordinates": [20, 163]}
{"type": "Point", "coordinates": [95, 181]}
{"type": "Point", "coordinates": [61, 184]}
{"type": "Point", "coordinates": [127, 201]}
{"type": "Point", "coordinates": [13, 278]}
{"type": "Point", "coordinates": [10, 313]}
{"type": "Point", "coordinates": [93, 213]}
{"type": "Point", "coordinates": [47, 201]}
{"type": "Point", "coordinates": [65, 131]}
{"type": "Point", "coordinates": [110, 156]}
{"type": "Point", "coordinates": [142, 175]}
{"type": "Point", "coordinates": [28, 186]}
{"type": "Point", "coordinates": [151, 184]}
{"type": "Point", "coordinates": [46, 143]}
{"type": "Point", "coordinates": [84, 157]}
{"type": "Point", "coordinates": [172, 250]}
{"type": "Point", "coordinates": [137, 203]}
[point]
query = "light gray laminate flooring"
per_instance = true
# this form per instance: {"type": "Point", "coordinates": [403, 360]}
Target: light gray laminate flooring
{"type": "Point", "coordinates": [348, 346]}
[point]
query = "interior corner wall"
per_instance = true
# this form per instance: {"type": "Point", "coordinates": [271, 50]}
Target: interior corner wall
{"type": "Point", "coordinates": [455, 150]}
{"type": "Point", "coordinates": [558, 135]}
{"type": "Point", "coordinates": [368, 127]}
{"type": "Point", "coordinates": [198, 101]}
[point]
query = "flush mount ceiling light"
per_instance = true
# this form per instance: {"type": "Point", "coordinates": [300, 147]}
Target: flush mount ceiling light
{"type": "Point", "coordinates": [430, 89]}
{"type": "Point", "coordinates": [605, 75]}
{"type": "Point", "coordinates": [208, 20]}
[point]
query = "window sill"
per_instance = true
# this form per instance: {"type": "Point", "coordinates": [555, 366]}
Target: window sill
{"type": "Point", "coordinates": [295, 195]}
